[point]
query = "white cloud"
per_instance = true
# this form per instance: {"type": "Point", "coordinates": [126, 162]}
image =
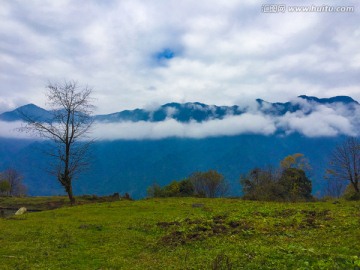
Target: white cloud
{"type": "Point", "coordinates": [312, 120]}
{"type": "Point", "coordinates": [317, 124]}
{"type": "Point", "coordinates": [170, 111]}
{"type": "Point", "coordinates": [9, 130]}
{"type": "Point", "coordinates": [320, 121]}
{"type": "Point", "coordinates": [232, 125]}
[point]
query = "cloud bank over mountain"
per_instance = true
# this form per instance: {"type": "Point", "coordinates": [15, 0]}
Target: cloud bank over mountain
{"type": "Point", "coordinates": [308, 116]}
{"type": "Point", "coordinates": [323, 121]}
{"type": "Point", "coordinates": [9, 130]}
{"type": "Point", "coordinates": [230, 125]}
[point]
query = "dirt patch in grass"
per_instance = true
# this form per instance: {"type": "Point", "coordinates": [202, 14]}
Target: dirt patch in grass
{"type": "Point", "coordinates": [283, 222]}
{"type": "Point", "coordinates": [286, 213]}
{"type": "Point", "coordinates": [94, 227]}
{"type": "Point", "coordinates": [165, 225]}
{"type": "Point", "coordinates": [188, 230]}
{"type": "Point", "coordinates": [314, 219]}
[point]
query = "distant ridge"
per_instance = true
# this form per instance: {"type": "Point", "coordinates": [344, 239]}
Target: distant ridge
{"type": "Point", "coordinates": [339, 99]}
{"type": "Point", "coordinates": [29, 109]}
{"type": "Point", "coordinates": [199, 112]}
{"type": "Point", "coordinates": [185, 112]}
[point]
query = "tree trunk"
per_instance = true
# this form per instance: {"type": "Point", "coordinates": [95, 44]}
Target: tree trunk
{"type": "Point", "coordinates": [356, 188]}
{"type": "Point", "coordinates": [70, 194]}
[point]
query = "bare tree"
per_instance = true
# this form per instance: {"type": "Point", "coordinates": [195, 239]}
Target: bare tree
{"type": "Point", "coordinates": [71, 120]}
{"type": "Point", "coordinates": [345, 163]}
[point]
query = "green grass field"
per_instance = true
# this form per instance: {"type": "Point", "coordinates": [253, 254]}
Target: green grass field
{"type": "Point", "coordinates": [184, 233]}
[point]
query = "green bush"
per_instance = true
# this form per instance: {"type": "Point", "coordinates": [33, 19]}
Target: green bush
{"type": "Point", "coordinates": [183, 188]}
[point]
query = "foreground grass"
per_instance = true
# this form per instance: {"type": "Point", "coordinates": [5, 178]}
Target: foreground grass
{"type": "Point", "coordinates": [185, 233]}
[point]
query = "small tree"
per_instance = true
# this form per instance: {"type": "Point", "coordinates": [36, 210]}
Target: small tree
{"type": "Point", "coordinates": [296, 185]}
{"type": "Point", "coordinates": [14, 180]}
{"type": "Point", "coordinates": [71, 121]}
{"type": "Point", "coordinates": [344, 163]}
{"type": "Point", "coordinates": [155, 191]}
{"type": "Point", "coordinates": [209, 184]}
{"type": "Point", "coordinates": [262, 184]}
{"type": "Point", "coordinates": [4, 187]}
{"type": "Point", "coordinates": [186, 188]}
{"type": "Point", "coordinates": [172, 190]}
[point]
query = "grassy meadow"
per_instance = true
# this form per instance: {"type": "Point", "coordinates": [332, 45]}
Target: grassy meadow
{"type": "Point", "coordinates": [182, 233]}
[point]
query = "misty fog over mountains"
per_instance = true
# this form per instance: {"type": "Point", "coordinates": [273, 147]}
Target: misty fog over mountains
{"type": "Point", "coordinates": [310, 116]}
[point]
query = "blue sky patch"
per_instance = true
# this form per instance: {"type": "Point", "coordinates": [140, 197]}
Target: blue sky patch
{"type": "Point", "coordinates": [165, 54]}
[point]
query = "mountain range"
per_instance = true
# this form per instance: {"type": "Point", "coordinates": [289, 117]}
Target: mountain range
{"type": "Point", "coordinates": [132, 164]}
{"type": "Point", "coordinates": [185, 112]}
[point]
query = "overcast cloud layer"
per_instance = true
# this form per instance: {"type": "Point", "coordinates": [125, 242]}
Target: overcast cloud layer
{"type": "Point", "coordinates": [312, 120]}
{"type": "Point", "coordinates": [140, 53]}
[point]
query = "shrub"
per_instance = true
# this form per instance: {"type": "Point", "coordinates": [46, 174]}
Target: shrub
{"type": "Point", "coordinates": [183, 188]}
{"type": "Point", "coordinates": [11, 183]}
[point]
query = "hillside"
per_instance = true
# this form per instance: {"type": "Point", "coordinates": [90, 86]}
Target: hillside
{"type": "Point", "coordinates": [135, 148]}
{"type": "Point", "coordinates": [185, 233]}
{"type": "Point", "coordinates": [133, 165]}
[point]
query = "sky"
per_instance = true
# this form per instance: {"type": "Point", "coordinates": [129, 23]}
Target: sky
{"type": "Point", "coordinates": [140, 54]}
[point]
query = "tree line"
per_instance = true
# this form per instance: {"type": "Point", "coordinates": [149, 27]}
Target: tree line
{"type": "Point", "coordinates": [208, 184]}
{"type": "Point", "coordinates": [287, 183]}
{"type": "Point", "coordinates": [290, 181]}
